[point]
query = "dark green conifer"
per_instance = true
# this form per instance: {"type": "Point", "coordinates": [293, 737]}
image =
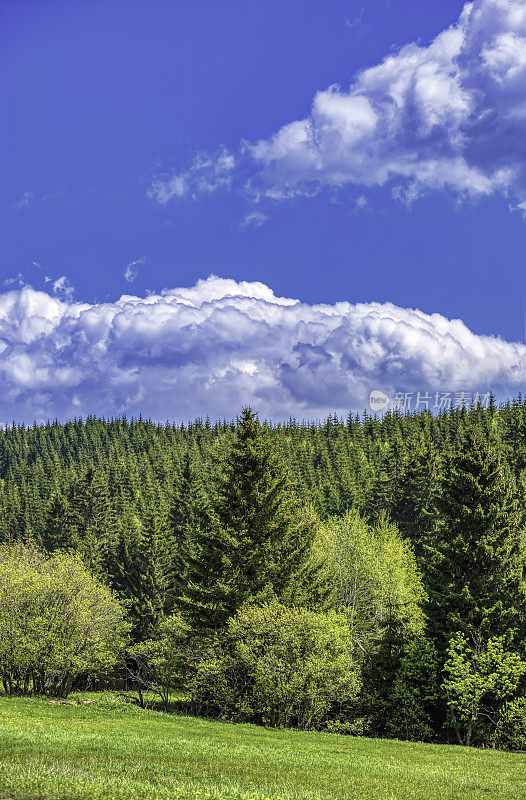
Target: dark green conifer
{"type": "Point", "coordinates": [186, 517]}
{"type": "Point", "coordinates": [476, 580]}
{"type": "Point", "coordinates": [257, 538]}
{"type": "Point", "coordinates": [92, 522]}
{"type": "Point", "coordinates": [152, 569]}
{"type": "Point", "coordinates": [59, 533]}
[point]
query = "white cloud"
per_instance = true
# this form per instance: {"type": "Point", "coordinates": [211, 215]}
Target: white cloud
{"type": "Point", "coordinates": [207, 174]}
{"type": "Point", "coordinates": [132, 269]}
{"type": "Point", "coordinates": [447, 115]}
{"type": "Point", "coordinates": [18, 279]}
{"type": "Point", "coordinates": [214, 346]}
{"type": "Point", "coordinates": [63, 287]}
{"type": "Point", "coordinates": [254, 219]}
{"type": "Point", "coordinates": [30, 197]}
{"type": "Point", "coordinates": [356, 21]}
{"type": "Point", "coordinates": [24, 201]}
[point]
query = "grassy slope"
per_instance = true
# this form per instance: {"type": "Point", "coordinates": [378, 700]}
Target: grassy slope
{"type": "Point", "coordinates": [120, 753]}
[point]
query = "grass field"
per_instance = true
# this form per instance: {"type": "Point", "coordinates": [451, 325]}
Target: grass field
{"type": "Point", "coordinates": [114, 751]}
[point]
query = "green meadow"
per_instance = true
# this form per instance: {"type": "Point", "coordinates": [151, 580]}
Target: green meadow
{"type": "Point", "coordinates": [105, 749]}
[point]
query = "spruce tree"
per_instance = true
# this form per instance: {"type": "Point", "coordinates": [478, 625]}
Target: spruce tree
{"type": "Point", "coordinates": [127, 574]}
{"type": "Point", "coordinates": [476, 578]}
{"type": "Point", "coordinates": [257, 537]}
{"type": "Point", "coordinates": [59, 534]}
{"type": "Point", "coordinates": [413, 509]}
{"type": "Point", "coordinates": [151, 590]}
{"type": "Point", "coordinates": [92, 522]}
{"type": "Point", "coordinates": [385, 489]}
{"type": "Point", "coordinates": [186, 517]}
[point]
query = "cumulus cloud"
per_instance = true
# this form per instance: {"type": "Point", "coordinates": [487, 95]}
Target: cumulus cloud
{"type": "Point", "coordinates": [447, 115]}
{"type": "Point", "coordinates": [210, 348]}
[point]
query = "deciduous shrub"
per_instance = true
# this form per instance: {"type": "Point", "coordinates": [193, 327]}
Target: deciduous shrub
{"type": "Point", "coordinates": [56, 621]}
{"type": "Point", "coordinates": [510, 728]}
{"type": "Point", "coordinates": [157, 666]}
{"type": "Point", "coordinates": [375, 579]}
{"type": "Point", "coordinates": [279, 666]}
{"type": "Point", "coordinates": [478, 679]}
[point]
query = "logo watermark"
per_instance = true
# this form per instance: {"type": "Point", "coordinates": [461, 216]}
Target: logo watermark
{"type": "Point", "coordinates": [379, 401]}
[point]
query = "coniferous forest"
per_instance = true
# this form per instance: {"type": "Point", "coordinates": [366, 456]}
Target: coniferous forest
{"type": "Point", "coordinates": [362, 575]}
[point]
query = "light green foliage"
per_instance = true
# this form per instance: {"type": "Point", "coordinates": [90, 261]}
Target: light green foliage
{"type": "Point", "coordinates": [113, 751]}
{"type": "Point", "coordinates": [510, 727]}
{"type": "Point", "coordinates": [279, 666]}
{"type": "Point", "coordinates": [56, 621]}
{"type": "Point", "coordinates": [477, 680]}
{"type": "Point", "coordinates": [378, 587]}
{"type": "Point", "coordinates": [159, 660]}
{"type": "Point", "coordinates": [375, 577]}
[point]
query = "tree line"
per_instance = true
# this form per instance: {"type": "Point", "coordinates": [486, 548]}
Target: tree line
{"type": "Point", "coordinates": [362, 575]}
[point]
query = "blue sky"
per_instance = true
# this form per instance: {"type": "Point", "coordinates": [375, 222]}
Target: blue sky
{"type": "Point", "coordinates": [130, 165]}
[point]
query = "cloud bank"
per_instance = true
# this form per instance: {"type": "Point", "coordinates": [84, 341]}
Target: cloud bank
{"type": "Point", "coordinates": [447, 115]}
{"type": "Point", "coordinates": [210, 348]}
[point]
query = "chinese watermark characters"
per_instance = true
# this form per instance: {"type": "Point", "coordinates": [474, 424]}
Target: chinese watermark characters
{"type": "Point", "coordinates": [426, 401]}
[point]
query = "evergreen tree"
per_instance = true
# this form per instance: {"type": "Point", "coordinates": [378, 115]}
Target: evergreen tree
{"type": "Point", "coordinates": [257, 539]}
{"type": "Point", "coordinates": [127, 575]}
{"type": "Point", "coordinates": [92, 522]}
{"type": "Point", "coordinates": [476, 580]}
{"type": "Point", "coordinates": [59, 534]}
{"type": "Point", "coordinates": [385, 490]}
{"type": "Point", "coordinates": [413, 509]}
{"type": "Point", "coordinates": [151, 590]}
{"type": "Point", "coordinates": [186, 517]}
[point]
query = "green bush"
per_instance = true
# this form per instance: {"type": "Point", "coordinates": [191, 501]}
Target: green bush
{"type": "Point", "coordinates": [279, 666]}
{"type": "Point", "coordinates": [510, 728]}
{"type": "Point", "coordinates": [56, 622]}
{"type": "Point", "coordinates": [478, 679]}
{"type": "Point", "coordinates": [158, 664]}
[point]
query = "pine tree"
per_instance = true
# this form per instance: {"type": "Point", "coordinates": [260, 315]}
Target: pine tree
{"type": "Point", "coordinates": [257, 538]}
{"type": "Point", "coordinates": [476, 580]}
{"type": "Point", "coordinates": [127, 573]}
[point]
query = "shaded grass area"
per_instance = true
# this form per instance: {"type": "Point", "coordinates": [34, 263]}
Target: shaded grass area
{"type": "Point", "coordinates": [110, 750]}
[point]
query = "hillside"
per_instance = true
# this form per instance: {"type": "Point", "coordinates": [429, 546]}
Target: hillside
{"type": "Point", "coordinates": [108, 750]}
